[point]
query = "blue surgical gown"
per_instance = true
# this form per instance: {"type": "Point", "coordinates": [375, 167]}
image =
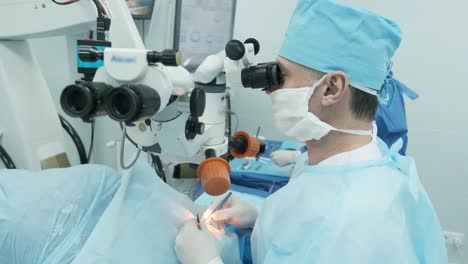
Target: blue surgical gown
{"type": "Point", "coordinates": [368, 212]}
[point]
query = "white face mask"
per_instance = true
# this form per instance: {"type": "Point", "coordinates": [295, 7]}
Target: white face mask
{"type": "Point", "coordinates": [292, 116]}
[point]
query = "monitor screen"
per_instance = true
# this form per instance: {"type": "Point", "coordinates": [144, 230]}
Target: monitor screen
{"type": "Point", "coordinates": [141, 8]}
{"type": "Point", "coordinates": [203, 28]}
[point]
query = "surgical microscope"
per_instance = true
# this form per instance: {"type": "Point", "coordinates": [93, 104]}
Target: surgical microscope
{"type": "Point", "coordinates": [165, 110]}
{"type": "Point", "coordinates": [162, 108]}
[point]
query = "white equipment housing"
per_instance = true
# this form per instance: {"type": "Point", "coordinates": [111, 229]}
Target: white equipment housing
{"type": "Point", "coordinates": [167, 139]}
{"type": "Point", "coordinates": [166, 135]}
{"type": "Point", "coordinates": [31, 129]}
{"type": "Point", "coordinates": [32, 133]}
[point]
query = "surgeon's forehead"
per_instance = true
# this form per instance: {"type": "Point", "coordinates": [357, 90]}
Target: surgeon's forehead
{"type": "Point", "coordinates": [288, 66]}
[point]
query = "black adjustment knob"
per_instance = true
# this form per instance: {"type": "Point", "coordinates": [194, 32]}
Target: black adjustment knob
{"type": "Point", "coordinates": [198, 128]}
{"type": "Point", "coordinates": [262, 147]}
{"type": "Point", "coordinates": [235, 50]}
{"type": "Point", "coordinates": [171, 58]}
{"type": "Point", "coordinates": [90, 54]}
{"type": "Point", "coordinates": [255, 43]}
{"type": "Point", "coordinates": [239, 144]}
{"type": "Point", "coordinates": [210, 153]}
{"type": "Point", "coordinates": [197, 102]}
{"type": "Point", "coordinates": [166, 57]}
{"type": "Point", "coordinates": [193, 128]}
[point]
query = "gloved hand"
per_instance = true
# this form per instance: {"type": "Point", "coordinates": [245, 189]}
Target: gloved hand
{"type": "Point", "coordinates": [284, 157]}
{"type": "Point", "coordinates": [235, 212]}
{"type": "Point", "coordinates": [197, 246]}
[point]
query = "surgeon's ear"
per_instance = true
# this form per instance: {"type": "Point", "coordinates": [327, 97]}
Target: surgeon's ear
{"type": "Point", "coordinates": [337, 85]}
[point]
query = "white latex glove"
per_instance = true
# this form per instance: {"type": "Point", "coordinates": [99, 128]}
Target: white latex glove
{"type": "Point", "coordinates": [197, 246]}
{"type": "Point", "coordinates": [235, 212]}
{"type": "Point", "coordinates": [284, 157]}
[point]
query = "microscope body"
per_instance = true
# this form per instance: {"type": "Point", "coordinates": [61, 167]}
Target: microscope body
{"type": "Point", "coordinates": [167, 111]}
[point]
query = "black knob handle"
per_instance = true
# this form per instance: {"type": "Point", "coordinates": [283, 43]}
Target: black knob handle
{"type": "Point", "coordinates": [90, 54]}
{"type": "Point", "coordinates": [210, 153]}
{"type": "Point", "coordinates": [197, 102]}
{"type": "Point", "coordinates": [198, 128]}
{"type": "Point", "coordinates": [255, 43]}
{"type": "Point", "coordinates": [235, 50]}
{"type": "Point", "coordinates": [193, 128]}
{"type": "Point", "coordinates": [166, 57]}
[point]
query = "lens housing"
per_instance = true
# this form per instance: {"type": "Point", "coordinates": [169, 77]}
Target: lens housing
{"type": "Point", "coordinates": [130, 103]}
{"type": "Point", "coordinates": [84, 99]}
{"type": "Point", "coordinates": [266, 76]}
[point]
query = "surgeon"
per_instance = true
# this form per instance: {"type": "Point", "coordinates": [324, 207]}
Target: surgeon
{"type": "Point", "coordinates": [351, 199]}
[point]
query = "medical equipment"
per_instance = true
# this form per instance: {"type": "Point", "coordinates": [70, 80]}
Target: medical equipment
{"type": "Point", "coordinates": [166, 112]}
{"type": "Point", "coordinates": [6, 159]}
{"type": "Point", "coordinates": [162, 111]}
{"type": "Point", "coordinates": [28, 119]}
{"type": "Point", "coordinates": [221, 204]}
{"type": "Point", "coordinates": [240, 69]}
{"type": "Point", "coordinates": [203, 29]}
{"type": "Point", "coordinates": [31, 129]}
{"type": "Point", "coordinates": [265, 76]}
{"type": "Point", "coordinates": [87, 99]}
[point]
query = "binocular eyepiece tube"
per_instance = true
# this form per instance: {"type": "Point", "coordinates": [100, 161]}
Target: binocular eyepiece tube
{"type": "Point", "coordinates": [127, 103]}
{"type": "Point", "coordinates": [85, 100]}
{"type": "Point", "coordinates": [130, 103]}
{"type": "Point", "coordinates": [265, 76]}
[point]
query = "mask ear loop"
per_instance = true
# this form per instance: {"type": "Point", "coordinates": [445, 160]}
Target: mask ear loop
{"type": "Point", "coordinates": [316, 85]}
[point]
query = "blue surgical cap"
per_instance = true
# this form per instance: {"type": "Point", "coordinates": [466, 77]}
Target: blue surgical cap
{"type": "Point", "coordinates": [328, 36]}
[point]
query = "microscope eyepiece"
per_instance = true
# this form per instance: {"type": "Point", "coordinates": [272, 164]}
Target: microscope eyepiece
{"type": "Point", "coordinates": [84, 100]}
{"type": "Point", "coordinates": [130, 103]}
{"type": "Point", "coordinates": [263, 76]}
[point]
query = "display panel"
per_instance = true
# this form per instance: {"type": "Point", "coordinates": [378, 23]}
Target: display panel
{"type": "Point", "coordinates": [203, 27]}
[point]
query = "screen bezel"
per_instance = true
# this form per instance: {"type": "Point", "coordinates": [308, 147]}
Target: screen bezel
{"type": "Point", "coordinates": [177, 25]}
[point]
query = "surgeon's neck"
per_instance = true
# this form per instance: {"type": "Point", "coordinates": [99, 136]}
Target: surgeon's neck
{"type": "Point", "coordinates": [335, 143]}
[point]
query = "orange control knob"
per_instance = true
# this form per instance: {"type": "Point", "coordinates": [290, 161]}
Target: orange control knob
{"type": "Point", "coordinates": [214, 176]}
{"type": "Point", "coordinates": [253, 146]}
